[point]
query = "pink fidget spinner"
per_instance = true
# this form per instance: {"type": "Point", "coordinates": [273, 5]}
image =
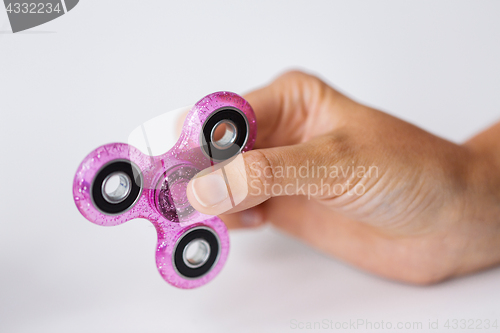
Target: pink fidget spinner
{"type": "Point", "coordinates": [192, 247]}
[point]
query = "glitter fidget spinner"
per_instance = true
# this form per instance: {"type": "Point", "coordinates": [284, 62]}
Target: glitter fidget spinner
{"type": "Point", "coordinates": [117, 182]}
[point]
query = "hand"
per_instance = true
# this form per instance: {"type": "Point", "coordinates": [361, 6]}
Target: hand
{"type": "Point", "coordinates": [361, 185]}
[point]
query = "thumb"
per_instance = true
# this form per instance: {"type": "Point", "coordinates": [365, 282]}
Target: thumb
{"type": "Point", "coordinates": [257, 175]}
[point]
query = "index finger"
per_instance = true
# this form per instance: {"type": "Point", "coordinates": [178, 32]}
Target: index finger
{"type": "Point", "coordinates": [286, 108]}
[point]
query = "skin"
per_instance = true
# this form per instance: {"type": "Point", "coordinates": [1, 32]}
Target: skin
{"type": "Point", "coordinates": [431, 212]}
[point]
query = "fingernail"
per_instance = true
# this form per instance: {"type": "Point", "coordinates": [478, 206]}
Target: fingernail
{"type": "Point", "coordinates": [250, 218]}
{"type": "Point", "coordinates": [209, 190]}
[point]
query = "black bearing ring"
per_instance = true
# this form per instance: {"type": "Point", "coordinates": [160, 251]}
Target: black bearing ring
{"type": "Point", "coordinates": [204, 234]}
{"type": "Point", "coordinates": [120, 166]}
{"type": "Point", "coordinates": [241, 124]}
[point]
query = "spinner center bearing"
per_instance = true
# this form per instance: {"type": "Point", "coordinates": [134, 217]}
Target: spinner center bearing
{"type": "Point", "coordinates": [170, 195]}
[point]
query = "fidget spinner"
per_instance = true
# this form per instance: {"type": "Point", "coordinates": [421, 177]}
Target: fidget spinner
{"type": "Point", "coordinates": [118, 182]}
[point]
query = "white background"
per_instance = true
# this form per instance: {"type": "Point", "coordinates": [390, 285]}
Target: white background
{"type": "Point", "coordinates": [94, 74]}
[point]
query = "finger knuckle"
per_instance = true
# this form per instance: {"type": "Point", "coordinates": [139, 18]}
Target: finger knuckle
{"type": "Point", "coordinates": [300, 91]}
{"type": "Point", "coordinates": [296, 80]}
